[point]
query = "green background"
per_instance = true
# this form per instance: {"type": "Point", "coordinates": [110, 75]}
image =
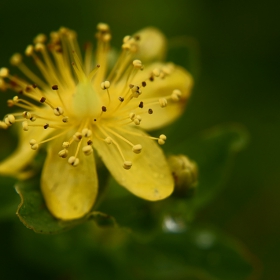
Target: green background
{"type": "Point", "coordinates": [235, 58]}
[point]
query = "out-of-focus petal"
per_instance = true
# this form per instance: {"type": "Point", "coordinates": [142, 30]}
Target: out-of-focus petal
{"type": "Point", "coordinates": [69, 192]}
{"type": "Point", "coordinates": [152, 45]}
{"type": "Point", "coordinates": [149, 176]}
{"type": "Point", "coordinates": [14, 165]}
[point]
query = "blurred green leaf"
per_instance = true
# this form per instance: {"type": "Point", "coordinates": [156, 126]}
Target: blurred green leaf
{"type": "Point", "coordinates": [34, 214]}
{"type": "Point", "coordinates": [197, 253]}
{"type": "Point", "coordinates": [8, 199]}
{"type": "Point", "coordinates": [213, 151]}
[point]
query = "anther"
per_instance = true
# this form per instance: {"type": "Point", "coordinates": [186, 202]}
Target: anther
{"type": "Point", "coordinates": [156, 72]}
{"type": "Point", "coordinates": [87, 150]}
{"type": "Point", "coordinates": [58, 111]}
{"type": "Point", "coordinates": [104, 109]}
{"type": "Point", "coordinates": [108, 140]}
{"type": "Point", "coordinates": [3, 125]}
{"type": "Point", "coordinates": [43, 99]}
{"type": "Point", "coordinates": [26, 115]}
{"type": "Point", "coordinates": [137, 64]}
{"type": "Point", "coordinates": [150, 111]}
{"type": "Point", "coordinates": [4, 72]}
{"type": "Point", "coordinates": [141, 104]}
{"type": "Point", "coordinates": [33, 144]}
{"type": "Point", "coordinates": [73, 161]}
{"type": "Point", "coordinates": [10, 119]}
{"type": "Point", "coordinates": [105, 85]}
{"type": "Point", "coordinates": [63, 153]}
{"type": "Point", "coordinates": [144, 84]}
{"type": "Point", "coordinates": [162, 102]}
{"type": "Point", "coordinates": [162, 138]}
{"type": "Point", "coordinates": [103, 27]}
{"type": "Point", "coordinates": [127, 164]}
{"type": "Point", "coordinates": [77, 136]}
{"type": "Point", "coordinates": [137, 149]}
{"type": "Point", "coordinates": [25, 126]}
{"type": "Point", "coordinates": [86, 132]}
{"type": "Point", "coordinates": [29, 50]}
{"type": "Point", "coordinates": [34, 86]}
{"type": "Point", "coordinates": [46, 126]}
{"type": "Point", "coordinates": [16, 59]}
{"type": "Point", "coordinates": [65, 119]}
{"type": "Point", "coordinates": [176, 94]}
{"type": "Point", "coordinates": [55, 87]}
{"type": "Point", "coordinates": [132, 116]}
{"type": "Point", "coordinates": [40, 38]}
{"type": "Point", "coordinates": [65, 145]}
{"type": "Point", "coordinates": [121, 99]}
{"type": "Point", "coordinates": [89, 142]}
{"type": "Point", "coordinates": [15, 99]}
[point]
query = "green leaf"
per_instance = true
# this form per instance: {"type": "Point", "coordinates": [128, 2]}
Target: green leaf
{"type": "Point", "coordinates": [213, 151]}
{"type": "Point", "coordinates": [34, 214]}
{"type": "Point", "coordinates": [197, 253]}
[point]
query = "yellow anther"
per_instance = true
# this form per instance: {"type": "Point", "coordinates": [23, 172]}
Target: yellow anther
{"type": "Point", "coordinates": [34, 147]}
{"type": "Point", "coordinates": [10, 119]}
{"type": "Point", "coordinates": [103, 27]}
{"type": "Point", "coordinates": [65, 119]}
{"type": "Point", "coordinates": [137, 149]}
{"type": "Point", "coordinates": [78, 136]}
{"type": "Point", "coordinates": [161, 139]}
{"type": "Point", "coordinates": [105, 85]}
{"type": "Point", "coordinates": [58, 111]}
{"type": "Point", "coordinates": [127, 164]}
{"type": "Point", "coordinates": [126, 39]}
{"type": "Point", "coordinates": [65, 145]}
{"type": "Point", "coordinates": [63, 153]}
{"type": "Point", "coordinates": [162, 102]}
{"type": "Point", "coordinates": [16, 59]}
{"type": "Point", "coordinates": [86, 132]}
{"type": "Point", "coordinates": [32, 142]}
{"type": "Point", "coordinates": [87, 150]}
{"type": "Point", "coordinates": [108, 140]}
{"type": "Point", "coordinates": [39, 47]}
{"type": "Point", "coordinates": [137, 64]}
{"type": "Point", "coordinates": [132, 116]}
{"type": "Point", "coordinates": [176, 94]}
{"type": "Point", "coordinates": [73, 161]}
{"type": "Point", "coordinates": [26, 115]}
{"type": "Point", "coordinates": [4, 72]}
{"type": "Point", "coordinates": [3, 125]}
{"type": "Point", "coordinates": [156, 72]}
{"type": "Point", "coordinates": [29, 50]}
{"type": "Point", "coordinates": [40, 38]}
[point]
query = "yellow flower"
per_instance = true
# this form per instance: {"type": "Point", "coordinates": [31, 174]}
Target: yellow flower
{"type": "Point", "coordinates": [76, 107]}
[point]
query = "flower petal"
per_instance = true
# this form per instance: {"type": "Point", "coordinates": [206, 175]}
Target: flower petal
{"type": "Point", "coordinates": [69, 192]}
{"type": "Point", "coordinates": [14, 165]}
{"type": "Point", "coordinates": [151, 46]}
{"type": "Point", "coordinates": [179, 79]}
{"type": "Point", "coordinates": [149, 176]}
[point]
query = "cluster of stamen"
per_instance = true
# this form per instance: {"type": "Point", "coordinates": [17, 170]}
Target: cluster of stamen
{"type": "Point", "coordinates": [46, 102]}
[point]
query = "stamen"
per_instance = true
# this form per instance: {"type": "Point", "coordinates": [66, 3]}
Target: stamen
{"type": "Point", "coordinates": [127, 164]}
{"type": "Point", "coordinates": [73, 161]}
{"type": "Point", "coordinates": [87, 150]}
{"type": "Point", "coordinates": [33, 144]}
{"type": "Point", "coordinates": [162, 139]}
{"type": "Point", "coordinates": [63, 153]}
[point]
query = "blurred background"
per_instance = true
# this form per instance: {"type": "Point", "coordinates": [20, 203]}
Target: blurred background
{"type": "Point", "coordinates": [235, 59]}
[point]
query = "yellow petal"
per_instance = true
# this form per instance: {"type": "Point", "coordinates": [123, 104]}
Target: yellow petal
{"type": "Point", "coordinates": [152, 45]}
{"type": "Point", "coordinates": [14, 165]}
{"type": "Point", "coordinates": [149, 176]}
{"type": "Point", "coordinates": [69, 192]}
{"type": "Point", "coordinates": [179, 79]}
